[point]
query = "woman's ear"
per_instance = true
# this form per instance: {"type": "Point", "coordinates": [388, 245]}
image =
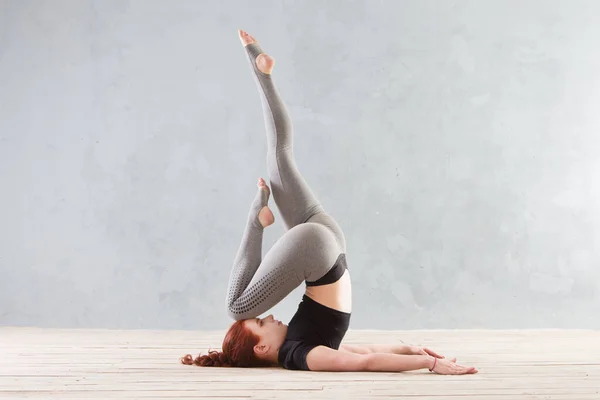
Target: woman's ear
{"type": "Point", "coordinates": [261, 349]}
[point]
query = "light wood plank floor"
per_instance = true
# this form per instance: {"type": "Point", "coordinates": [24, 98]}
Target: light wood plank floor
{"type": "Point", "coordinates": [107, 364]}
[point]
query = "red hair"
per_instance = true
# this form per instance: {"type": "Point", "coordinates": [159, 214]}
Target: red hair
{"type": "Point", "coordinates": [238, 350]}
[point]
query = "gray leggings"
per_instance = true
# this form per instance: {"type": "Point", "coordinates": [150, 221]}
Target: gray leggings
{"type": "Point", "coordinates": [313, 240]}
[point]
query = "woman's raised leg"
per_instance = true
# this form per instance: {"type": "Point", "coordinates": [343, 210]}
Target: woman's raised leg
{"type": "Point", "coordinates": [293, 197]}
{"type": "Point", "coordinates": [313, 241]}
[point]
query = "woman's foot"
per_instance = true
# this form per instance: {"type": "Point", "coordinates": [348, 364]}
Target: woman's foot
{"type": "Point", "coordinates": [264, 62]}
{"type": "Point", "coordinates": [265, 216]}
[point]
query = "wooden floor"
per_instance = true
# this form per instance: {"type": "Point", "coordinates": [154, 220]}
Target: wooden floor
{"type": "Point", "coordinates": [103, 364]}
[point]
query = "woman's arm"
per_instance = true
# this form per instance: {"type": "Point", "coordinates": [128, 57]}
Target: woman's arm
{"type": "Point", "coordinates": [376, 348]}
{"type": "Point", "coordinates": [393, 349]}
{"type": "Point", "coordinates": [323, 358]}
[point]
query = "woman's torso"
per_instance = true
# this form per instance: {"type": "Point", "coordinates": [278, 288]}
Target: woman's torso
{"type": "Point", "coordinates": [322, 319]}
{"type": "Point", "coordinates": [336, 295]}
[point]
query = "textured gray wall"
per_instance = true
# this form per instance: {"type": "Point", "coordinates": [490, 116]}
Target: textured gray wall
{"type": "Point", "coordinates": [456, 142]}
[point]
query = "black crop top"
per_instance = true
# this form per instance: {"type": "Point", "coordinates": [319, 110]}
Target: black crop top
{"type": "Point", "coordinates": [313, 325]}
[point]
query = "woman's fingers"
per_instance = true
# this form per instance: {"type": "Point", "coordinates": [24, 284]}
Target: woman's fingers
{"type": "Point", "coordinates": [448, 367]}
{"type": "Point", "coordinates": [460, 370]}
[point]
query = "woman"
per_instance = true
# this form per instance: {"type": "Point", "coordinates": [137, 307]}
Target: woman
{"type": "Point", "coordinates": [312, 251]}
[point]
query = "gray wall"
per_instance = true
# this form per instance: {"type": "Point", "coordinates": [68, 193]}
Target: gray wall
{"type": "Point", "coordinates": [455, 142]}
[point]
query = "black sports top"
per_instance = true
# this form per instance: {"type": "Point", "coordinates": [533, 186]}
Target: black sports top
{"type": "Point", "coordinates": [314, 325]}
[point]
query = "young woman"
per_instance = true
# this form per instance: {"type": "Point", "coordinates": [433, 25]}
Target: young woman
{"type": "Point", "coordinates": [312, 251]}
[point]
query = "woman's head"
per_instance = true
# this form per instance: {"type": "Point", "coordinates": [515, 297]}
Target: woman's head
{"type": "Point", "coordinates": [252, 342]}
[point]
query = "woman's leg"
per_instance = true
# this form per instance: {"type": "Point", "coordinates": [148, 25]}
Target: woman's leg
{"type": "Point", "coordinates": [305, 252]}
{"type": "Point", "coordinates": [294, 198]}
{"type": "Point", "coordinates": [313, 241]}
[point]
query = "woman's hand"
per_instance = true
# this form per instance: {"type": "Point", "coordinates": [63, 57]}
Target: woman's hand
{"type": "Point", "coordinates": [449, 367]}
{"type": "Point", "coordinates": [420, 351]}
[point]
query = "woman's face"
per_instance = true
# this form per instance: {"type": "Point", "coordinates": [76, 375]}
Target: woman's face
{"type": "Point", "coordinates": [271, 332]}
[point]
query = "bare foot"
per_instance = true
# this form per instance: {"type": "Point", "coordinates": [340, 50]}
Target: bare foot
{"type": "Point", "coordinates": [265, 216]}
{"type": "Point", "coordinates": [264, 62]}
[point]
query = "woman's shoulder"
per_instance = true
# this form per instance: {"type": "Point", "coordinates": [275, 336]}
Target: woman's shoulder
{"type": "Point", "coordinates": [292, 354]}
